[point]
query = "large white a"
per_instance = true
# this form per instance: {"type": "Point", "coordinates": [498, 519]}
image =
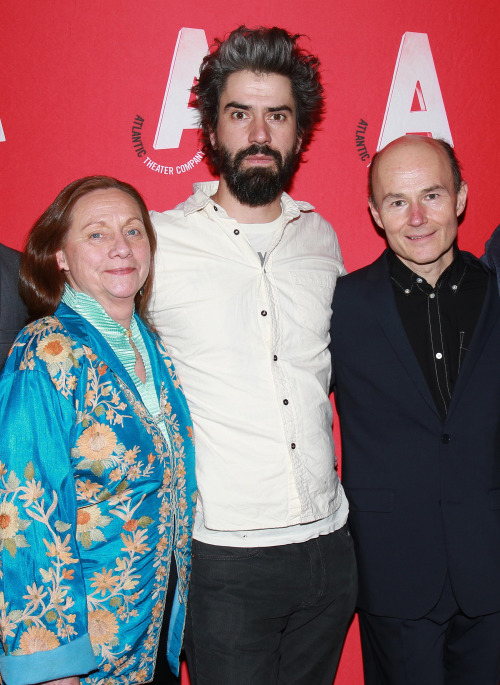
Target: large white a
{"type": "Point", "coordinates": [190, 49]}
{"type": "Point", "coordinates": [415, 103]}
{"type": "Point", "coordinates": [2, 134]}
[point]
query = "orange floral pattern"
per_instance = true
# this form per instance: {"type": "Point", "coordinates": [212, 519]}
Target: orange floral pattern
{"type": "Point", "coordinates": [94, 498]}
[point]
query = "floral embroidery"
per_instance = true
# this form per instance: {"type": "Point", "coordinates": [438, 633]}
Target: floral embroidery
{"type": "Point", "coordinates": [103, 567]}
{"type": "Point", "coordinates": [38, 639]}
{"type": "Point", "coordinates": [97, 442]}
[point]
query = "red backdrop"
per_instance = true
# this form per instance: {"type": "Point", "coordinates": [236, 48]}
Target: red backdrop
{"type": "Point", "coordinates": [76, 76]}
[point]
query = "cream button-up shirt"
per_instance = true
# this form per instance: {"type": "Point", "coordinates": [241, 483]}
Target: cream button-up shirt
{"type": "Point", "coordinates": [250, 344]}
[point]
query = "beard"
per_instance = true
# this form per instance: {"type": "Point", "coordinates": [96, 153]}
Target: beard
{"type": "Point", "coordinates": [256, 186]}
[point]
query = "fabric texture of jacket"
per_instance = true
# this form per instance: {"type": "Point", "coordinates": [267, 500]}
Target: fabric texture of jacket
{"type": "Point", "coordinates": [424, 493]}
{"type": "Point", "coordinates": [13, 313]}
{"type": "Point", "coordinates": [92, 505]}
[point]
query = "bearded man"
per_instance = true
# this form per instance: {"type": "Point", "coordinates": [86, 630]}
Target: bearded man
{"type": "Point", "coordinates": [244, 282]}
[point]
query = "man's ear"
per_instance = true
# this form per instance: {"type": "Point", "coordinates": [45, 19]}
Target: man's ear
{"type": "Point", "coordinates": [375, 215]}
{"type": "Point", "coordinates": [213, 139]}
{"type": "Point", "coordinates": [462, 198]}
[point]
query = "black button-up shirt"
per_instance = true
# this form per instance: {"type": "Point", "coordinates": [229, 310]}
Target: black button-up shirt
{"type": "Point", "coordinates": [439, 321]}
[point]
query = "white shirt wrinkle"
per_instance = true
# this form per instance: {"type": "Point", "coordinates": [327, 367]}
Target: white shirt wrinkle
{"type": "Point", "coordinates": [263, 428]}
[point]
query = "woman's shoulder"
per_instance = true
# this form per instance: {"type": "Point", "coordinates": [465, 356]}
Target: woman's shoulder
{"type": "Point", "coordinates": [45, 345]}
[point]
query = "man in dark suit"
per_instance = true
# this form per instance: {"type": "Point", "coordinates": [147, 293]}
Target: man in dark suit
{"type": "Point", "coordinates": [13, 313]}
{"type": "Point", "coordinates": [416, 366]}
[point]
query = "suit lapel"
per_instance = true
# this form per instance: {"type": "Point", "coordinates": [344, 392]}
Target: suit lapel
{"type": "Point", "coordinates": [384, 306]}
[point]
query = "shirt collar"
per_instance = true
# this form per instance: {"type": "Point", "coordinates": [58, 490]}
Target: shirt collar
{"type": "Point", "coordinates": [409, 282]}
{"type": "Point", "coordinates": [203, 191]}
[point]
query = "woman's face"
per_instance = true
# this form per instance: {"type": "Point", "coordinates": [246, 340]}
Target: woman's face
{"type": "Point", "coordinates": [107, 254]}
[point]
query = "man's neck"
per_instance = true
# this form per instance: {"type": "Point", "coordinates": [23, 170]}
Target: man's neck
{"type": "Point", "coordinates": [244, 214]}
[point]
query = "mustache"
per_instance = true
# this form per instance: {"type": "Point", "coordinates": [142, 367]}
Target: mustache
{"type": "Point", "coordinates": [257, 149]}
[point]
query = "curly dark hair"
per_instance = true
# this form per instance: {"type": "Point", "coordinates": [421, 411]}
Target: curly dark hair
{"type": "Point", "coordinates": [41, 282]}
{"type": "Point", "coordinates": [263, 51]}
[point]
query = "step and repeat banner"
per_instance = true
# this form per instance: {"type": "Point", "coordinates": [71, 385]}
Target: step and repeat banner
{"type": "Point", "coordinates": [102, 87]}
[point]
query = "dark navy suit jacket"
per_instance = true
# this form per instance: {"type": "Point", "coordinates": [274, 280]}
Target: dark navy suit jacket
{"type": "Point", "coordinates": [424, 493]}
{"type": "Point", "coordinates": [491, 255]}
{"type": "Point", "coordinates": [13, 313]}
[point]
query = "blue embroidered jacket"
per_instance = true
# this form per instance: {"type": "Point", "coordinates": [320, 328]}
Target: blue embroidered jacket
{"type": "Point", "coordinates": [92, 504]}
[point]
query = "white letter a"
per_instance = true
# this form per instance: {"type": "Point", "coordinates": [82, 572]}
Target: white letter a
{"type": "Point", "coordinates": [415, 103]}
{"type": "Point", "coordinates": [175, 115]}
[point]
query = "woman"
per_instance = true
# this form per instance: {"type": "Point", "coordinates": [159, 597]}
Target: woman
{"type": "Point", "coordinates": [97, 484]}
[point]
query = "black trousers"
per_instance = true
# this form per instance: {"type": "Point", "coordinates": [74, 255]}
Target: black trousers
{"type": "Point", "coordinates": [446, 647]}
{"type": "Point", "coordinates": [268, 615]}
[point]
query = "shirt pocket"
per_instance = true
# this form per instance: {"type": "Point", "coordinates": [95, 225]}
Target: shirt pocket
{"type": "Point", "coordinates": [313, 293]}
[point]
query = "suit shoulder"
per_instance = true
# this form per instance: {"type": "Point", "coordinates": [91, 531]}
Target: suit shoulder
{"type": "Point", "coordinates": [365, 274]}
{"type": "Point", "coordinates": [9, 256]}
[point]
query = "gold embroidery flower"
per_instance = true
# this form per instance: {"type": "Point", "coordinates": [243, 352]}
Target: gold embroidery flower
{"type": "Point", "coordinates": [102, 626]}
{"type": "Point", "coordinates": [134, 472]}
{"type": "Point", "coordinates": [87, 489]}
{"type": "Point", "coordinates": [31, 492]}
{"type": "Point", "coordinates": [61, 550]}
{"type": "Point", "coordinates": [35, 594]}
{"type": "Point", "coordinates": [38, 639]}
{"type": "Point", "coordinates": [88, 518]}
{"type": "Point", "coordinates": [104, 581]}
{"type": "Point", "coordinates": [89, 522]}
{"type": "Point", "coordinates": [55, 348]}
{"type": "Point", "coordinates": [97, 442]}
{"type": "Point", "coordinates": [140, 675]}
{"type": "Point", "coordinates": [9, 520]}
{"type": "Point", "coordinates": [115, 475]}
{"type": "Point", "coordinates": [136, 543]}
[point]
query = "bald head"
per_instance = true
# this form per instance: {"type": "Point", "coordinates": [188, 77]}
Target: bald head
{"type": "Point", "coordinates": [416, 202]}
{"type": "Point", "coordinates": [455, 166]}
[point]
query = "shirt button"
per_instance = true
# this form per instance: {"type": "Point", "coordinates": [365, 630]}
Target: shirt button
{"type": "Point", "coordinates": [432, 296]}
{"type": "Point", "coordinates": [439, 355]}
{"type": "Point", "coordinates": [285, 401]}
{"type": "Point", "coordinates": [275, 358]}
{"type": "Point", "coordinates": [263, 312]}
{"type": "Point", "coordinates": [216, 209]}
{"type": "Point", "coordinates": [419, 280]}
{"type": "Point", "coordinates": [407, 291]}
{"type": "Point", "coordinates": [454, 287]}
{"type": "Point", "coordinates": [293, 445]}
{"type": "Point", "coordinates": [236, 232]}
{"type": "Point", "coordinates": [445, 438]}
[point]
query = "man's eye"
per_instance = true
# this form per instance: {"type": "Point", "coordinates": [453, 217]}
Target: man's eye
{"type": "Point", "coordinates": [278, 116]}
{"type": "Point", "coordinates": [432, 196]}
{"type": "Point", "coordinates": [239, 115]}
{"type": "Point", "coordinates": [95, 235]}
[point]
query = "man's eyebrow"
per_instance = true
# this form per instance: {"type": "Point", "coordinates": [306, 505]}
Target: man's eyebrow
{"type": "Point", "coordinates": [246, 108]}
{"type": "Point", "coordinates": [431, 189]}
{"type": "Point", "coordinates": [236, 105]}
{"type": "Point", "coordinates": [393, 196]}
{"type": "Point", "coordinates": [424, 191]}
{"type": "Point", "coordinates": [280, 108]}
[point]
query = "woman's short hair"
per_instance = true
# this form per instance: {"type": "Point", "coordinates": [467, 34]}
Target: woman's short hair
{"type": "Point", "coordinates": [263, 51]}
{"type": "Point", "coordinates": [41, 282]}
